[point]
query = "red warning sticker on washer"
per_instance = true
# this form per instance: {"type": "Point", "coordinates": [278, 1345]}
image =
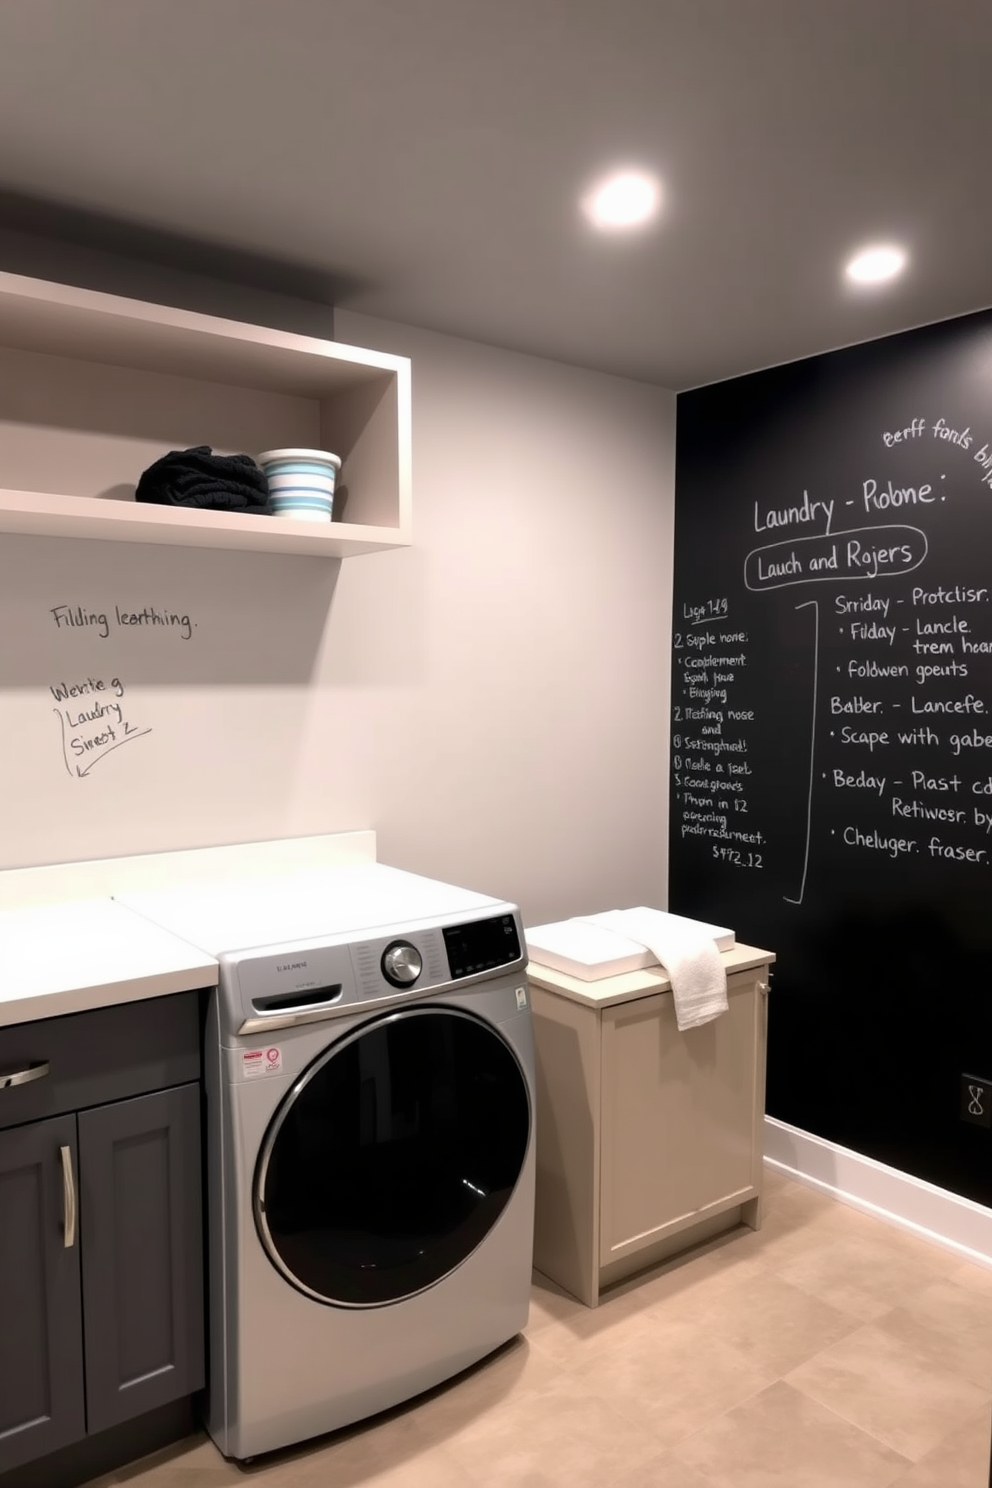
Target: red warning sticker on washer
{"type": "Point", "coordinates": [255, 1062]}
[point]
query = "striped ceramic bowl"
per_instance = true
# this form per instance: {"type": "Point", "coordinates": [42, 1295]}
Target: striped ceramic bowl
{"type": "Point", "coordinates": [301, 483]}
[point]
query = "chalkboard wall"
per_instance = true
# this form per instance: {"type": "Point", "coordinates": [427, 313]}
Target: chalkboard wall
{"type": "Point", "coordinates": [832, 729]}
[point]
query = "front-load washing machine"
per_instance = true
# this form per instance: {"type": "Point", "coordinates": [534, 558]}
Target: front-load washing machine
{"type": "Point", "coordinates": [370, 1113]}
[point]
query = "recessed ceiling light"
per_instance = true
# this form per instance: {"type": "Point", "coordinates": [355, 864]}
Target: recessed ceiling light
{"type": "Point", "coordinates": [876, 264]}
{"type": "Point", "coordinates": [625, 199]}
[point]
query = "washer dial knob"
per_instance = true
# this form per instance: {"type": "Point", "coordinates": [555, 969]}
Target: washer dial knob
{"type": "Point", "coordinates": [402, 963]}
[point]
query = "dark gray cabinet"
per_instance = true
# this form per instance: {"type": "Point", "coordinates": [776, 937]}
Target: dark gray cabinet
{"type": "Point", "coordinates": [41, 1341]}
{"type": "Point", "coordinates": [139, 1179]}
{"type": "Point", "coordinates": [101, 1265]}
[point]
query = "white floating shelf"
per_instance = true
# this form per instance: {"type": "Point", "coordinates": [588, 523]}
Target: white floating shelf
{"type": "Point", "coordinates": [94, 388]}
{"type": "Point", "coordinates": [41, 515]}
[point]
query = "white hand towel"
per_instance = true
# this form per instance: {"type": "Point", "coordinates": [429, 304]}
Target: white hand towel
{"type": "Point", "coordinates": [694, 965]}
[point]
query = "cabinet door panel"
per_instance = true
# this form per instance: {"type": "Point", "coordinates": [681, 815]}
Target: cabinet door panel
{"type": "Point", "coordinates": [41, 1345]}
{"type": "Point", "coordinates": [142, 1260]}
{"type": "Point", "coordinates": [679, 1114]}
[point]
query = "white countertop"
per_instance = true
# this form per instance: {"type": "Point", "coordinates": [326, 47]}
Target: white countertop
{"type": "Point", "coordinates": [634, 984]}
{"type": "Point", "coordinates": [89, 953]}
{"type": "Point", "coordinates": [288, 907]}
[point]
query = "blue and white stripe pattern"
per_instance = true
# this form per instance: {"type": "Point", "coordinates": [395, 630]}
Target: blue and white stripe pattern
{"type": "Point", "coordinates": [301, 483]}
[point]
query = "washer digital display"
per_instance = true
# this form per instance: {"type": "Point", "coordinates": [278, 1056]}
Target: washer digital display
{"type": "Point", "coordinates": [482, 945]}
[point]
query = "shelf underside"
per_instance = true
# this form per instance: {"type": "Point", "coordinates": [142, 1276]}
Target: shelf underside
{"type": "Point", "coordinates": [33, 513]}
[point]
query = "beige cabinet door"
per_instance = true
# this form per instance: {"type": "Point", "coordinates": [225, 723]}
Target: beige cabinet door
{"type": "Point", "coordinates": [681, 1114]}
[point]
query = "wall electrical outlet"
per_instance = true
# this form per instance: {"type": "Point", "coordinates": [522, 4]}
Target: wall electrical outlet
{"type": "Point", "coordinates": [976, 1100]}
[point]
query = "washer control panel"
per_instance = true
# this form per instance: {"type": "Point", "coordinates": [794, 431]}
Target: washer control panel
{"type": "Point", "coordinates": [282, 985]}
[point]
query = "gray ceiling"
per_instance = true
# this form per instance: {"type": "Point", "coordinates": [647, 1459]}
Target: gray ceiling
{"type": "Point", "coordinates": [421, 160]}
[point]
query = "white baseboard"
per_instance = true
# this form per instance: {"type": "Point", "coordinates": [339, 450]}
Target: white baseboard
{"type": "Point", "coordinates": [946, 1219]}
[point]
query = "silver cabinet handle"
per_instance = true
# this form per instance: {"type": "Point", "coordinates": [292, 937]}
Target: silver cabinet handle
{"type": "Point", "coordinates": [68, 1198]}
{"type": "Point", "coordinates": [763, 988]}
{"type": "Point", "coordinates": [36, 1071]}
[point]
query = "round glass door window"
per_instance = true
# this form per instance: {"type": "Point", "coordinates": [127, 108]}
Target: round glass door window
{"type": "Point", "coordinates": [392, 1157]}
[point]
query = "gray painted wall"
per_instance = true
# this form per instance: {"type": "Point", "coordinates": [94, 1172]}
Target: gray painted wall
{"type": "Point", "coordinates": [493, 701]}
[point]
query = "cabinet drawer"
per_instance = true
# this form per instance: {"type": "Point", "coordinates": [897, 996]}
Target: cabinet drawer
{"type": "Point", "coordinates": [105, 1055]}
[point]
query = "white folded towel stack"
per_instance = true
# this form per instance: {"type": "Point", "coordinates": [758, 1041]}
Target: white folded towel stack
{"type": "Point", "coordinates": [686, 951]}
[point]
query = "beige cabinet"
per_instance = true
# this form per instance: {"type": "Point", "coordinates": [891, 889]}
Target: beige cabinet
{"type": "Point", "coordinates": [648, 1140]}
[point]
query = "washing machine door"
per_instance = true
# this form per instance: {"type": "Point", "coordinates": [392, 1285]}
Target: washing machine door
{"type": "Point", "coordinates": [392, 1157]}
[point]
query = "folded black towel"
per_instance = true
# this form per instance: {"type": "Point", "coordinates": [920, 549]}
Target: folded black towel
{"type": "Point", "coordinates": [198, 477]}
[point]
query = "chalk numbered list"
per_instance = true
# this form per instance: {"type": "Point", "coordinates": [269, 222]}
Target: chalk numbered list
{"type": "Point", "coordinates": [711, 724]}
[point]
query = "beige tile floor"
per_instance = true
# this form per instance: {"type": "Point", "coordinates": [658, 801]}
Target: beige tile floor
{"type": "Point", "coordinates": [826, 1351]}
